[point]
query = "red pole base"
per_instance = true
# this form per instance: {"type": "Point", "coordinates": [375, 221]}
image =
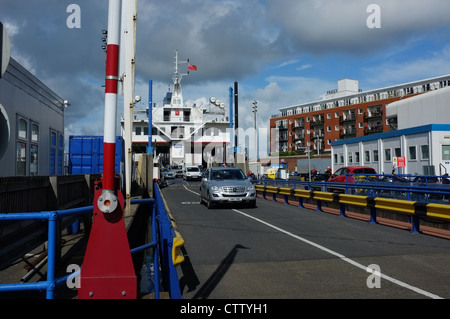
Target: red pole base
{"type": "Point", "coordinates": [108, 271]}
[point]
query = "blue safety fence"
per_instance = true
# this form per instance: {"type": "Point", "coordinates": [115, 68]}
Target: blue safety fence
{"type": "Point", "coordinates": [165, 244]}
{"type": "Point", "coordinates": [170, 243]}
{"type": "Point", "coordinates": [312, 191]}
{"type": "Point", "coordinates": [428, 189]}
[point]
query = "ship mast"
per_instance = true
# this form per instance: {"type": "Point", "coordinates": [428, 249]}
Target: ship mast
{"type": "Point", "coordinates": [177, 96]}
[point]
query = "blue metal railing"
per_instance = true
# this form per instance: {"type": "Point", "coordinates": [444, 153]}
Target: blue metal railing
{"type": "Point", "coordinates": [167, 234]}
{"type": "Point", "coordinates": [162, 240]}
{"type": "Point", "coordinates": [408, 187]}
{"type": "Point", "coordinates": [52, 216]}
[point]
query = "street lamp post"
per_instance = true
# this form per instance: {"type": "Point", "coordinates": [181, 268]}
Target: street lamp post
{"type": "Point", "coordinates": [255, 109]}
{"type": "Point", "coordinates": [309, 158]}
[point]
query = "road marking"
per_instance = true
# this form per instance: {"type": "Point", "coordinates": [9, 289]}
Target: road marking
{"type": "Point", "coordinates": [191, 190]}
{"type": "Point", "coordinates": [332, 252]}
{"type": "Point", "coordinates": [190, 203]}
{"type": "Point", "coordinates": [342, 257]}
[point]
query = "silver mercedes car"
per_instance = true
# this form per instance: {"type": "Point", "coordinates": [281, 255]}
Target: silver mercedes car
{"type": "Point", "coordinates": [225, 185]}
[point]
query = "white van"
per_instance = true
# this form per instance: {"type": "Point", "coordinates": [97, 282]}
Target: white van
{"type": "Point", "coordinates": [192, 172]}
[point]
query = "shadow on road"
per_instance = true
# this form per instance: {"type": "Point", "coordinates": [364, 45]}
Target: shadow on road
{"type": "Point", "coordinates": [191, 280]}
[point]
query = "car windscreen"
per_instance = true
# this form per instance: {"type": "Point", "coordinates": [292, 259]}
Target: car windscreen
{"type": "Point", "coordinates": [193, 169]}
{"type": "Point", "coordinates": [227, 174]}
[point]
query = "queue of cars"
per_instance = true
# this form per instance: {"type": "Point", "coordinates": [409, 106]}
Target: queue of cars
{"type": "Point", "coordinates": [187, 173]}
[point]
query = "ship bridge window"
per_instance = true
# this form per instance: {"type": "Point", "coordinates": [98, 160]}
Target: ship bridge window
{"type": "Point", "coordinates": [176, 100]}
{"type": "Point", "coordinates": [166, 116]}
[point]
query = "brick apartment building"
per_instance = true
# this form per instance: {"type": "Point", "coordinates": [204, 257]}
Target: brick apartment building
{"type": "Point", "coordinates": [346, 112]}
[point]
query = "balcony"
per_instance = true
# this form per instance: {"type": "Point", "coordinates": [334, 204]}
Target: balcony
{"type": "Point", "coordinates": [318, 135]}
{"type": "Point", "coordinates": [347, 133]}
{"type": "Point", "coordinates": [373, 115]}
{"type": "Point", "coordinates": [348, 118]}
{"type": "Point", "coordinates": [318, 122]}
{"type": "Point", "coordinates": [373, 129]}
{"type": "Point", "coordinates": [299, 137]}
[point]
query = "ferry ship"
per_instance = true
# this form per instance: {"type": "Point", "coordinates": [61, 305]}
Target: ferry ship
{"type": "Point", "coordinates": [182, 134]}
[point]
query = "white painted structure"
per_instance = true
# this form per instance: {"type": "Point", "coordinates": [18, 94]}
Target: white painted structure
{"type": "Point", "coordinates": [422, 136]}
{"type": "Point", "coordinates": [426, 149]}
{"type": "Point", "coordinates": [183, 134]}
{"type": "Point", "coordinates": [432, 107]}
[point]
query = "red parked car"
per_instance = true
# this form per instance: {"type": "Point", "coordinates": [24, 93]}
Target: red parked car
{"type": "Point", "coordinates": [341, 174]}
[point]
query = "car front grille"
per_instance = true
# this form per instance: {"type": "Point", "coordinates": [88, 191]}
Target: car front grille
{"type": "Point", "coordinates": [237, 195]}
{"type": "Point", "coordinates": [233, 189]}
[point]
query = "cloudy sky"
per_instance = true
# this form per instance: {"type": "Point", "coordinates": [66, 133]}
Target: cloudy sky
{"type": "Point", "coordinates": [282, 52]}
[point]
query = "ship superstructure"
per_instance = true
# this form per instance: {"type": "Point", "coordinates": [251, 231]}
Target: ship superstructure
{"type": "Point", "coordinates": [183, 134]}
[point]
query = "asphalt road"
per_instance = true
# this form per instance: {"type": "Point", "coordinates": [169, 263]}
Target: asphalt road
{"type": "Point", "coordinates": [281, 251]}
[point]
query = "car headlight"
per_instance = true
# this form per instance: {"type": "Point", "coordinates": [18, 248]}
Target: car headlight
{"type": "Point", "coordinates": [250, 188]}
{"type": "Point", "coordinates": [215, 188]}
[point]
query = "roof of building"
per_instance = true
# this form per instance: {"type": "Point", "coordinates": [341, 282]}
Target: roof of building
{"type": "Point", "coordinates": [364, 93]}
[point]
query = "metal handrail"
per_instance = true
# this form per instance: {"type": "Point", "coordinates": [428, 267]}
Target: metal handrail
{"type": "Point", "coordinates": [51, 283]}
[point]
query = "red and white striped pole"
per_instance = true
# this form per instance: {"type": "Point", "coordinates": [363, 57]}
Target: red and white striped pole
{"type": "Point", "coordinates": [108, 201]}
{"type": "Point", "coordinates": [108, 270]}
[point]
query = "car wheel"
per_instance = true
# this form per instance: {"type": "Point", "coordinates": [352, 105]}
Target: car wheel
{"type": "Point", "coordinates": [209, 203]}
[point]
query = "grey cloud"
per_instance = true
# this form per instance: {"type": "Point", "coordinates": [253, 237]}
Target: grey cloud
{"type": "Point", "coordinates": [320, 27]}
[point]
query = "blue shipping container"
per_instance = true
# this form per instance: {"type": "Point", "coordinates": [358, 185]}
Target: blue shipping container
{"type": "Point", "coordinates": [86, 155]}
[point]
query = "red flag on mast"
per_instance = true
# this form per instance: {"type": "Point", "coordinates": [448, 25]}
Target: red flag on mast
{"type": "Point", "coordinates": [192, 67]}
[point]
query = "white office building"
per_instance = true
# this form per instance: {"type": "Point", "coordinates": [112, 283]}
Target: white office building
{"type": "Point", "coordinates": [420, 133]}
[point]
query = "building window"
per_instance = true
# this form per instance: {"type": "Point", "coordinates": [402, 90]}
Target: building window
{"type": "Point", "coordinates": [387, 155]}
{"type": "Point", "coordinates": [398, 152]}
{"type": "Point", "coordinates": [138, 130]}
{"type": "Point", "coordinates": [335, 158]}
{"type": "Point", "coordinates": [350, 158]}
{"type": "Point", "coordinates": [375, 156]}
{"type": "Point", "coordinates": [367, 156]}
{"type": "Point", "coordinates": [336, 115]}
{"type": "Point", "coordinates": [34, 160]}
{"type": "Point", "coordinates": [412, 153]}
{"type": "Point", "coordinates": [446, 152]}
{"type": "Point", "coordinates": [21, 168]}
{"type": "Point", "coordinates": [356, 157]}
{"type": "Point", "coordinates": [336, 128]}
{"type": "Point", "coordinates": [34, 132]}
{"type": "Point", "coordinates": [341, 158]}
{"type": "Point", "coordinates": [22, 129]}
{"type": "Point", "coordinates": [22, 141]}
{"type": "Point", "coordinates": [34, 150]}
{"type": "Point", "coordinates": [425, 152]}
{"type": "Point", "coordinates": [53, 153]}
{"type": "Point", "coordinates": [328, 116]}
